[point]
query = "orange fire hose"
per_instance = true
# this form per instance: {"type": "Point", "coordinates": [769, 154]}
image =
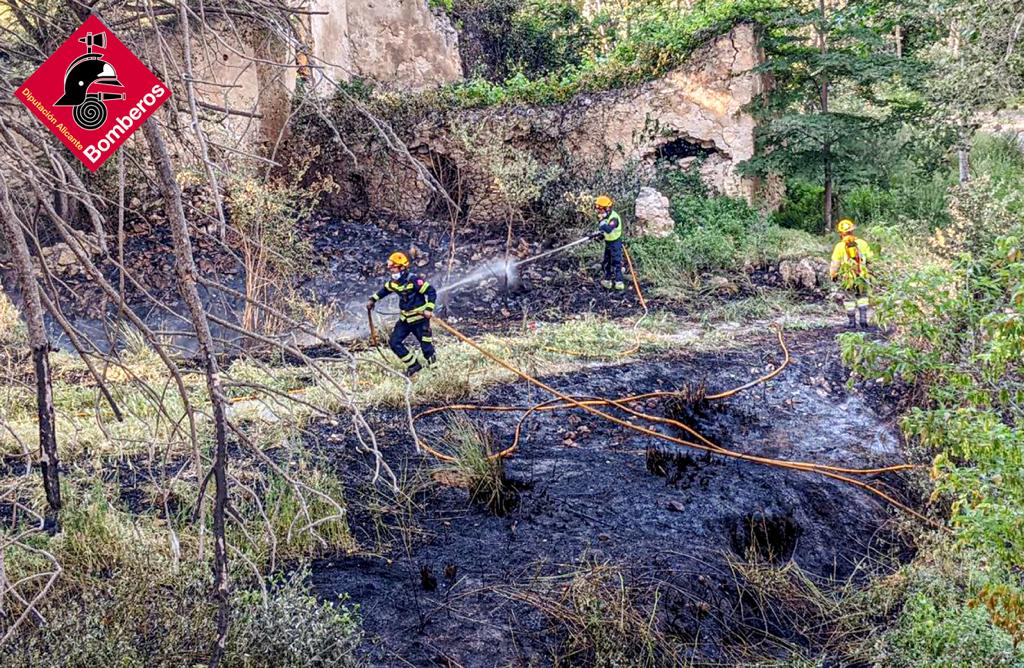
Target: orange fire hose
{"type": "Point", "coordinates": [588, 404]}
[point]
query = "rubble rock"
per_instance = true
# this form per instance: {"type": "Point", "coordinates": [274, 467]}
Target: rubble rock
{"type": "Point", "coordinates": [722, 286]}
{"type": "Point", "coordinates": [801, 274]}
{"type": "Point", "coordinates": [65, 257]}
{"type": "Point", "coordinates": [652, 214]}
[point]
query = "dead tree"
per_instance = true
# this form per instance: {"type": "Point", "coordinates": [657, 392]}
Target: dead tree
{"type": "Point", "coordinates": [32, 311]}
{"type": "Point", "coordinates": [185, 266]}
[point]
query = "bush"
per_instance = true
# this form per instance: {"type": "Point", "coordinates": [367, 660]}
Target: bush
{"type": "Point", "coordinates": [133, 595]}
{"type": "Point", "coordinates": [605, 621]}
{"type": "Point", "coordinates": [566, 204]}
{"type": "Point", "coordinates": [801, 207]}
{"type": "Point", "coordinates": [959, 336]}
{"type": "Point", "coordinates": [711, 233]}
{"type": "Point", "coordinates": [941, 625]}
{"type": "Point", "coordinates": [540, 48]}
{"type": "Point", "coordinates": [292, 629]}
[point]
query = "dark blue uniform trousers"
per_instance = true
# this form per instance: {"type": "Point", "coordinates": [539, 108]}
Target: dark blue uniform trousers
{"type": "Point", "coordinates": [612, 263]}
{"type": "Point", "coordinates": [421, 330]}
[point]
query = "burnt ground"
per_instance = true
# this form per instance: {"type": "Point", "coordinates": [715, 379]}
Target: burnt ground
{"type": "Point", "coordinates": [444, 596]}
{"type": "Point", "coordinates": [348, 264]}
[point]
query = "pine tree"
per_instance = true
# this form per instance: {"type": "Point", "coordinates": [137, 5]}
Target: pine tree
{"type": "Point", "coordinates": [813, 53]}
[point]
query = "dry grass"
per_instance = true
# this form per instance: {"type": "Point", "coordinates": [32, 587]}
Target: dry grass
{"type": "Point", "coordinates": [602, 620]}
{"type": "Point", "coordinates": [834, 620]}
{"type": "Point", "coordinates": [470, 444]}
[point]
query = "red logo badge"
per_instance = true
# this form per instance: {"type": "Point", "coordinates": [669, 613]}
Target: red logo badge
{"type": "Point", "coordinates": [93, 93]}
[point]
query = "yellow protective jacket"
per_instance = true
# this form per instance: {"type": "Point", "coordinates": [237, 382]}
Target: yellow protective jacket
{"type": "Point", "coordinates": [856, 252]}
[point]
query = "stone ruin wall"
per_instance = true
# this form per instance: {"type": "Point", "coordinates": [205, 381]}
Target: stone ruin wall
{"type": "Point", "coordinates": [699, 107]}
{"type": "Point", "coordinates": [403, 44]}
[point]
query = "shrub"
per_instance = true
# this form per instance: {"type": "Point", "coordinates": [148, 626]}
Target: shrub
{"type": "Point", "coordinates": [264, 222]}
{"type": "Point", "coordinates": [941, 625]}
{"type": "Point", "coordinates": [292, 629]}
{"type": "Point", "coordinates": [801, 208]}
{"type": "Point", "coordinates": [128, 598]}
{"type": "Point", "coordinates": [605, 621]}
{"type": "Point", "coordinates": [711, 233]}
{"type": "Point", "coordinates": [566, 203]}
{"type": "Point", "coordinates": [639, 43]}
{"type": "Point", "coordinates": [959, 336]}
{"type": "Point", "coordinates": [483, 475]}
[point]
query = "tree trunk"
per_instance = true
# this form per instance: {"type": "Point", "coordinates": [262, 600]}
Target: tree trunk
{"type": "Point", "coordinates": [963, 153]}
{"type": "Point", "coordinates": [185, 267]}
{"type": "Point", "coordinates": [828, 196]}
{"type": "Point", "coordinates": [826, 150]}
{"type": "Point", "coordinates": [40, 344]}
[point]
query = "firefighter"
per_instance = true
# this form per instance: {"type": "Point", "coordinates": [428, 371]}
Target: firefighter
{"type": "Point", "coordinates": [416, 304]}
{"type": "Point", "coordinates": [609, 226]}
{"type": "Point", "coordinates": [849, 269]}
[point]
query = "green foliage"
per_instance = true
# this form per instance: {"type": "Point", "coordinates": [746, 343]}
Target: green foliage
{"type": "Point", "coordinates": [547, 64]}
{"type": "Point", "coordinates": [960, 339]}
{"type": "Point", "coordinates": [942, 626]}
{"type": "Point", "coordinates": [605, 621]}
{"type": "Point", "coordinates": [292, 628]}
{"type": "Point", "coordinates": [824, 120]}
{"type": "Point", "coordinates": [126, 597]}
{"type": "Point", "coordinates": [801, 207]}
{"type": "Point", "coordinates": [979, 64]}
{"type": "Point", "coordinates": [483, 475]}
{"type": "Point", "coordinates": [711, 234]}
{"type": "Point", "coordinates": [147, 619]}
{"type": "Point", "coordinates": [567, 202]}
{"type": "Point", "coordinates": [517, 175]}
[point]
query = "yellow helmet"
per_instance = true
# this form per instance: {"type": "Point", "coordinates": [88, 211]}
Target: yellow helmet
{"type": "Point", "coordinates": [399, 259]}
{"type": "Point", "coordinates": [845, 225]}
{"type": "Point", "coordinates": [603, 202]}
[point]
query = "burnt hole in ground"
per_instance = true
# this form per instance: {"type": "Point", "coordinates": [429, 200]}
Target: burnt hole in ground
{"type": "Point", "coordinates": [674, 464]}
{"type": "Point", "coordinates": [688, 403]}
{"type": "Point", "coordinates": [499, 496]}
{"type": "Point", "coordinates": [766, 537]}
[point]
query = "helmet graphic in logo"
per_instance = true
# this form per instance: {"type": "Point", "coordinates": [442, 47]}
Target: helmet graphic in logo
{"type": "Point", "coordinates": [86, 72]}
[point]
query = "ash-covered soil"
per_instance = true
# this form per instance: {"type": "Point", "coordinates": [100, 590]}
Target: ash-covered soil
{"type": "Point", "coordinates": [442, 588]}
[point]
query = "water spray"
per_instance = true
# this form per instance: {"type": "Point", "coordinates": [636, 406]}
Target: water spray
{"type": "Point", "coordinates": [506, 269]}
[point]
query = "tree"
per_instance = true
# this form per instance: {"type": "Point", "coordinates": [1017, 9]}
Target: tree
{"type": "Point", "coordinates": [979, 66]}
{"type": "Point", "coordinates": [812, 53]}
{"type": "Point", "coordinates": [187, 271]}
{"type": "Point", "coordinates": [40, 344]}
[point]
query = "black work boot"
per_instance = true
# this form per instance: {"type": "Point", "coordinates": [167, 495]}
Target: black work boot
{"type": "Point", "coordinates": [863, 316]}
{"type": "Point", "coordinates": [431, 361]}
{"type": "Point", "coordinates": [414, 369]}
{"type": "Point", "coordinates": [852, 324]}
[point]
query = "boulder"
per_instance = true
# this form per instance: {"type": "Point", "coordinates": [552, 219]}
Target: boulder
{"type": "Point", "coordinates": [652, 214]}
{"type": "Point", "coordinates": [802, 274]}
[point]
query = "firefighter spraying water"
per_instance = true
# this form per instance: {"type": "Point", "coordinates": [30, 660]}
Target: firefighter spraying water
{"type": "Point", "coordinates": [417, 297]}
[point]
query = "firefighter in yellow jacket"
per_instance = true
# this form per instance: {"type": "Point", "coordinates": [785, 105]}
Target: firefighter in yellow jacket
{"type": "Point", "coordinates": [849, 269]}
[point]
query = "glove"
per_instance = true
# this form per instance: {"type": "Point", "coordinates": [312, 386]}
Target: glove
{"type": "Point", "coordinates": [597, 235]}
{"type": "Point", "coordinates": [428, 314]}
{"type": "Point", "coordinates": [370, 304]}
